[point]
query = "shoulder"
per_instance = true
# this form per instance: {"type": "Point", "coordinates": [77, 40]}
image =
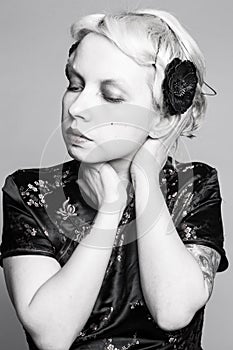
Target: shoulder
{"type": "Point", "coordinates": [195, 165]}
{"type": "Point", "coordinates": [41, 186]}
{"type": "Point", "coordinates": [194, 179]}
{"type": "Point", "coordinates": [203, 174]}
{"type": "Point", "coordinates": [53, 175]}
{"type": "Point", "coordinates": [198, 171]}
{"type": "Point", "coordinates": [53, 169]}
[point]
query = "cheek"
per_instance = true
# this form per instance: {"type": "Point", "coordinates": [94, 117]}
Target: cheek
{"type": "Point", "coordinates": [126, 115]}
{"type": "Point", "coordinates": [118, 140]}
{"type": "Point", "coordinates": [137, 117]}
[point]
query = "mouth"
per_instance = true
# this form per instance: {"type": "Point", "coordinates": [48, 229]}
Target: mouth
{"type": "Point", "coordinates": [75, 134]}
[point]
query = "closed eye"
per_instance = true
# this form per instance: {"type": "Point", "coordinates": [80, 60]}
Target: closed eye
{"type": "Point", "coordinates": [74, 88]}
{"type": "Point", "coordinates": [113, 99]}
{"type": "Point", "coordinates": [79, 88]}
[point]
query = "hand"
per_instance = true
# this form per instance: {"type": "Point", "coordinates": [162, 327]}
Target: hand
{"type": "Point", "coordinates": [152, 155]}
{"type": "Point", "coordinates": [101, 184]}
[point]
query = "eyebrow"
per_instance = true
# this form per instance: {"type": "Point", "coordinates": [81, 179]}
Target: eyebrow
{"type": "Point", "coordinates": [118, 83]}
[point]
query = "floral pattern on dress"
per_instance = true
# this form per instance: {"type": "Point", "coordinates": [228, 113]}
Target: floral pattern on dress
{"type": "Point", "coordinates": [71, 221]}
{"type": "Point", "coordinates": [34, 193]}
{"type": "Point", "coordinates": [25, 231]}
{"type": "Point", "coordinates": [109, 344]}
{"type": "Point", "coordinates": [67, 210]}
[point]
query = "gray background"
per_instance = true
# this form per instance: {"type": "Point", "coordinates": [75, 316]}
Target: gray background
{"type": "Point", "coordinates": [34, 39]}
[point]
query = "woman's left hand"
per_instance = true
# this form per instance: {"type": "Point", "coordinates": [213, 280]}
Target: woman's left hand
{"type": "Point", "coordinates": [152, 155]}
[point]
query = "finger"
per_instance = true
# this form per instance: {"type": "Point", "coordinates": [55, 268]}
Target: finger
{"type": "Point", "coordinates": [107, 172]}
{"type": "Point", "coordinates": [80, 182]}
{"type": "Point", "coordinates": [97, 166]}
{"type": "Point", "coordinates": [94, 167]}
{"type": "Point", "coordinates": [94, 179]}
{"type": "Point", "coordinates": [83, 186]}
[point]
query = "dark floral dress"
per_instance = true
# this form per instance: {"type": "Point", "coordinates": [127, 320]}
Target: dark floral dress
{"type": "Point", "coordinates": [44, 213]}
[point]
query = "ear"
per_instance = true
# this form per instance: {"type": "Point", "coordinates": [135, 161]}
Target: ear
{"type": "Point", "coordinates": [161, 127]}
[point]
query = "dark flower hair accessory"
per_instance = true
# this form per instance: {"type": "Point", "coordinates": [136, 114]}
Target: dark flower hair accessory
{"type": "Point", "coordinates": [179, 86]}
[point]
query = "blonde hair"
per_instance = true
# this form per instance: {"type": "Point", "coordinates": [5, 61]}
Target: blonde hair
{"type": "Point", "coordinates": [151, 37]}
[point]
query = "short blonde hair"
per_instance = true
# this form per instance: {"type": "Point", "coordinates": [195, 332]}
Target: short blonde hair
{"type": "Point", "coordinates": [151, 37]}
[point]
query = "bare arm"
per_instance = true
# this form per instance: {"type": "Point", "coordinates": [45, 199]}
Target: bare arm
{"type": "Point", "coordinates": [54, 303]}
{"type": "Point", "coordinates": [172, 280]}
{"type": "Point", "coordinates": [175, 283]}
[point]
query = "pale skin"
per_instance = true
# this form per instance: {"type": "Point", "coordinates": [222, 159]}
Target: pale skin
{"type": "Point", "coordinates": [40, 289]}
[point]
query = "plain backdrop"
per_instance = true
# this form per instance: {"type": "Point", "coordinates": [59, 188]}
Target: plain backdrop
{"type": "Point", "coordinates": [34, 41]}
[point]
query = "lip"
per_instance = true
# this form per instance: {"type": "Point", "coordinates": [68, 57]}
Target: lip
{"type": "Point", "coordinates": [76, 133]}
{"type": "Point", "coordinates": [77, 140]}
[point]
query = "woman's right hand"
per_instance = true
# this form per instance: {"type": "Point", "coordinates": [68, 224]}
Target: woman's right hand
{"type": "Point", "coordinates": [102, 187]}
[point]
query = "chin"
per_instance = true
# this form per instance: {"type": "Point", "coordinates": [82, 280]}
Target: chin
{"type": "Point", "coordinates": [82, 155]}
{"type": "Point", "coordinates": [109, 153]}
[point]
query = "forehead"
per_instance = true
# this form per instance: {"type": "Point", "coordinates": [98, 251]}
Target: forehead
{"type": "Point", "coordinates": [97, 57]}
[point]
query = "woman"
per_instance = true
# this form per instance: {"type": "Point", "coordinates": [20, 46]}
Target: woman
{"type": "Point", "coordinates": [118, 248]}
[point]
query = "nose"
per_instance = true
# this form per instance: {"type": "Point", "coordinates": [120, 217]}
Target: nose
{"type": "Point", "coordinates": [78, 107]}
{"type": "Point", "coordinates": [82, 104]}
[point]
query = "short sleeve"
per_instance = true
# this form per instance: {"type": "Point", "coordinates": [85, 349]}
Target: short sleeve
{"type": "Point", "coordinates": [21, 233]}
{"type": "Point", "coordinates": [202, 222]}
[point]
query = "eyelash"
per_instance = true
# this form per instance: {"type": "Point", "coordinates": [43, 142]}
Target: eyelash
{"type": "Point", "coordinates": [113, 100]}
{"type": "Point", "coordinates": [73, 89]}
{"type": "Point", "coordinates": [109, 99]}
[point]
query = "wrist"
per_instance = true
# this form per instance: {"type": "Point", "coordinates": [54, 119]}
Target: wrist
{"type": "Point", "coordinates": [110, 211]}
{"type": "Point", "coordinates": [114, 204]}
{"type": "Point", "coordinates": [145, 179]}
{"type": "Point", "coordinates": [103, 230]}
